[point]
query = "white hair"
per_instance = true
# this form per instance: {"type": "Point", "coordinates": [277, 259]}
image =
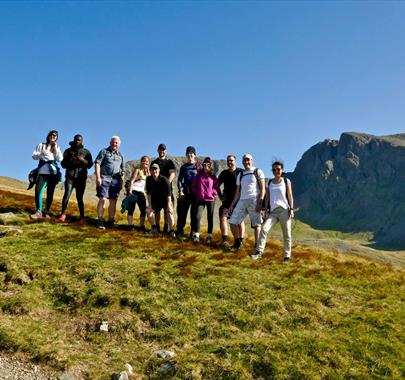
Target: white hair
{"type": "Point", "coordinates": [115, 138]}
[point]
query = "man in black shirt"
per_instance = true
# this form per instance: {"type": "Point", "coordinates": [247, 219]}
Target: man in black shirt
{"type": "Point", "coordinates": [228, 178]}
{"type": "Point", "coordinates": [159, 195]}
{"type": "Point", "coordinates": [168, 170]}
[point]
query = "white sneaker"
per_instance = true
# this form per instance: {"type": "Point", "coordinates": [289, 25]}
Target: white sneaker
{"type": "Point", "coordinates": [37, 215]}
{"type": "Point", "coordinates": [257, 255]}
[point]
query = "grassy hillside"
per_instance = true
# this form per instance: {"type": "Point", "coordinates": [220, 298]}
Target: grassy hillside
{"type": "Point", "coordinates": [326, 315]}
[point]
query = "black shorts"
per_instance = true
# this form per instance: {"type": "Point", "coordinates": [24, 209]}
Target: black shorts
{"type": "Point", "coordinates": [223, 210]}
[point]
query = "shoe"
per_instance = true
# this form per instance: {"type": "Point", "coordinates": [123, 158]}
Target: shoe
{"type": "Point", "coordinates": [82, 222]}
{"type": "Point", "coordinates": [257, 255]}
{"type": "Point", "coordinates": [238, 244]}
{"type": "Point", "coordinates": [62, 218]}
{"type": "Point", "coordinates": [195, 239]}
{"type": "Point", "coordinates": [143, 229]}
{"type": "Point", "coordinates": [287, 260]}
{"type": "Point", "coordinates": [130, 227]}
{"type": "Point", "coordinates": [172, 234]}
{"type": "Point", "coordinates": [110, 224]}
{"type": "Point", "coordinates": [208, 239]}
{"type": "Point", "coordinates": [37, 215]}
{"type": "Point", "coordinates": [100, 224]}
{"type": "Point", "coordinates": [154, 230]}
{"type": "Point", "coordinates": [47, 217]}
{"type": "Point", "coordinates": [165, 229]}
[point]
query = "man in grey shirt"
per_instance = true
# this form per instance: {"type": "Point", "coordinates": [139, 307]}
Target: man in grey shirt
{"type": "Point", "coordinates": [109, 166]}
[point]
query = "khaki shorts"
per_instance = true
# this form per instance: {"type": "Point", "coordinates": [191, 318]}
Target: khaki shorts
{"type": "Point", "coordinates": [242, 209]}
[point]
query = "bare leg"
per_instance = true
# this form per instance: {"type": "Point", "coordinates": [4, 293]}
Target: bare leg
{"type": "Point", "coordinates": [101, 207]}
{"type": "Point", "coordinates": [111, 209]}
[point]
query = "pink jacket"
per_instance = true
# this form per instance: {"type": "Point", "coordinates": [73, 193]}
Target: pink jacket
{"type": "Point", "coordinates": [205, 186]}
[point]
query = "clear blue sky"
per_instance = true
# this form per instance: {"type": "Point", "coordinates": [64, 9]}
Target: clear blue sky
{"type": "Point", "coordinates": [269, 78]}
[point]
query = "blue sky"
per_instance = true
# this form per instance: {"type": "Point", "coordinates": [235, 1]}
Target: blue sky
{"type": "Point", "coordinates": [269, 78]}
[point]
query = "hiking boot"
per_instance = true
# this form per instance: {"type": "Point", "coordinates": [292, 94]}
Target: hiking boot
{"type": "Point", "coordinates": [155, 230]}
{"type": "Point", "coordinates": [257, 255]}
{"type": "Point", "coordinates": [287, 260]}
{"type": "Point", "coordinates": [62, 218]}
{"type": "Point", "coordinates": [195, 239]}
{"type": "Point", "coordinates": [172, 234]}
{"type": "Point", "coordinates": [143, 229]}
{"type": "Point", "coordinates": [100, 224]}
{"type": "Point", "coordinates": [37, 215]}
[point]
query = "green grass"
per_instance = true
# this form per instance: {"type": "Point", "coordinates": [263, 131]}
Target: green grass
{"type": "Point", "coordinates": [325, 316]}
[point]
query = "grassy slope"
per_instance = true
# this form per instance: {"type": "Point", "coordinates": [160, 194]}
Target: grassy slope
{"type": "Point", "coordinates": [324, 316]}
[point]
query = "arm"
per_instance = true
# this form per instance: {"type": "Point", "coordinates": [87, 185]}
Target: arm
{"type": "Point", "coordinates": [262, 194]}
{"type": "Point", "coordinates": [98, 173]}
{"type": "Point", "coordinates": [180, 183]}
{"type": "Point", "coordinates": [134, 177]}
{"type": "Point", "coordinates": [36, 154]}
{"type": "Point", "coordinates": [172, 174]}
{"type": "Point", "coordinates": [58, 154]}
{"type": "Point", "coordinates": [290, 200]}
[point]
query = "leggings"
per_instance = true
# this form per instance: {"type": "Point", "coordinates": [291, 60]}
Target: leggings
{"type": "Point", "coordinates": [199, 207]}
{"type": "Point", "coordinates": [80, 186]}
{"type": "Point", "coordinates": [141, 201]}
{"type": "Point", "coordinates": [183, 206]}
{"type": "Point", "coordinates": [49, 182]}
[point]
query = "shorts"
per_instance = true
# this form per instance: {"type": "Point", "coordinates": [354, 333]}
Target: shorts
{"type": "Point", "coordinates": [223, 210]}
{"type": "Point", "coordinates": [242, 209]}
{"type": "Point", "coordinates": [159, 206]}
{"type": "Point", "coordinates": [109, 189]}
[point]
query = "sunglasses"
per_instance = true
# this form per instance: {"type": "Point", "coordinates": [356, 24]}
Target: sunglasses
{"type": "Point", "coordinates": [277, 170]}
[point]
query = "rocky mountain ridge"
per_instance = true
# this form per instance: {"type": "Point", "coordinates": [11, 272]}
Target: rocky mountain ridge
{"type": "Point", "coordinates": [356, 183]}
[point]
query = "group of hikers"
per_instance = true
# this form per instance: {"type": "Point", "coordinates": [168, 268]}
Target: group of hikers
{"type": "Point", "coordinates": [242, 191]}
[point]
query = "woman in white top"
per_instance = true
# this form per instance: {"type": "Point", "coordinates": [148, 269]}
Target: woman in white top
{"type": "Point", "coordinates": [137, 190]}
{"type": "Point", "coordinates": [48, 153]}
{"type": "Point", "coordinates": [279, 203]}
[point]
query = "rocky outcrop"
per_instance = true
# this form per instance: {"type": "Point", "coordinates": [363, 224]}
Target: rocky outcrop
{"type": "Point", "coordinates": [356, 183]}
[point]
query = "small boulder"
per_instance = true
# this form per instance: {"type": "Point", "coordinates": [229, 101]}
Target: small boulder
{"type": "Point", "coordinates": [104, 326]}
{"type": "Point", "coordinates": [66, 376]}
{"type": "Point", "coordinates": [119, 376]}
{"type": "Point", "coordinates": [164, 354]}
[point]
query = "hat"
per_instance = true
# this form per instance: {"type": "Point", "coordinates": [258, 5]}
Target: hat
{"type": "Point", "coordinates": [190, 149]}
{"type": "Point", "coordinates": [247, 155]}
{"type": "Point", "coordinates": [207, 160]}
{"type": "Point", "coordinates": [162, 146]}
{"type": "Point", "coordinates": [155, 166]}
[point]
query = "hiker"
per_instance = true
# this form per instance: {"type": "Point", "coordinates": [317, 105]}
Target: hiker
{"type": "Point", "coordinates": [137, 190]}
{"type": "Point", "coordinates": [159, 197]}
{"type": "Point", "coordinates": [227, 178]}
{"type": "Point", "coordinates": [76, 161]}
{"type": "Point", "coordinates": [248, 199]}
{"type": "Point", "coordinates": [109, 167]}
{"type": "Point", "coordinates": [205, 188]}
{"type": "Point", "coordinates": [279, 203]}
{"type": "Point", "coordinates": [186, 198]}
{"type": "Point", "coordinates": [48, 154]}
{"type": "Point", "coordinates": [168, 170]}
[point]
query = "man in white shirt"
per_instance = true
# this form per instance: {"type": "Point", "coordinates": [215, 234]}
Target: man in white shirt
{"type": "Point", "coordinates": [248, 199]}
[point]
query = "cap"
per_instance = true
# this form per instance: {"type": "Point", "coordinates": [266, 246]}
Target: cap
{"type": "Point", "coordinates": [155, 166]}
{"type": "Point", "coordinates": [162, 146]}
{"type": "Point", "coordinates": [247, 155]}
{"type": "Point", "coordinates": [207, 160]}
{"type": "Point", "coordinates": [190, 149]}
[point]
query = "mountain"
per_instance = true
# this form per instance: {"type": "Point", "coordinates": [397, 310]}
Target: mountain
{"type": "Point", "coordinates": [356, 183]}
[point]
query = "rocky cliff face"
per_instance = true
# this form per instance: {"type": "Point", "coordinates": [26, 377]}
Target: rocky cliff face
{"type": "Point", "coordinates": [354, 184]}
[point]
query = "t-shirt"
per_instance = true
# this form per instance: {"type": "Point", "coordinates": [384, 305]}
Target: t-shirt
{"type": "Point", "coordinates": [111, 163]}
{"type": "Point", "coordinates": [249, 183]}
{"type": "Point", "coordinates": [228, 178]}
{"type": "Point", "coordinates": [165, 165]}
{"type": "Point", "coordinates": [158, 189]}
{"type": "Point", "coordinates": [186, 175]}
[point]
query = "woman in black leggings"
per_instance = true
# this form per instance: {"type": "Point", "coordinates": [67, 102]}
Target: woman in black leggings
{"type": "Point", "coordinates": [48, 153]}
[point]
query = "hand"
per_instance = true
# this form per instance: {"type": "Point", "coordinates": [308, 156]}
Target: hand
{"type": "Point", "coordinates": [98, 181]}
{"type": "Point", "coordinates": [259, 205]}
{"type": "Point", "coordinates": [230, 210]}
{"type": "Point", "coordinates": [290, 214]}
{"type": "Point", "coordinates": [180, 195]}
{"type": "Point", "coordinates": [80, 158]}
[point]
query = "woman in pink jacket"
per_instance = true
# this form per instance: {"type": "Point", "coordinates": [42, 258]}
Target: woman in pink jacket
{"type": "Point", "coordinates": [205, 188]}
